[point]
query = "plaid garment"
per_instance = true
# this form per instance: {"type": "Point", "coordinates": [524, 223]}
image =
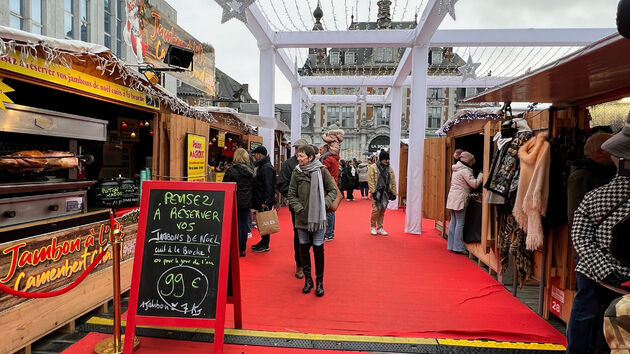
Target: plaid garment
{"type": "Point", "coordinates": [592, 244]}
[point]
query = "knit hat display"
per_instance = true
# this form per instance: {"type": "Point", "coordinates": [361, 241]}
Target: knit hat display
{"type": "Point", "coordinates": [384, 155]}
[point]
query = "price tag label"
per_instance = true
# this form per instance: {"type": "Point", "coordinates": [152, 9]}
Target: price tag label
{"type": "Point", "coordinates": [557, 300]}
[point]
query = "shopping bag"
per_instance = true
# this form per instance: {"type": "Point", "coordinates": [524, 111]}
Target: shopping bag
{"type": "Point", "coordinates": [267, 222]}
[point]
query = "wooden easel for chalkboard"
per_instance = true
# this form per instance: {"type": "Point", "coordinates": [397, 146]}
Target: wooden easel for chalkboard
{"type": "Point", "coordinates": [186, 249]}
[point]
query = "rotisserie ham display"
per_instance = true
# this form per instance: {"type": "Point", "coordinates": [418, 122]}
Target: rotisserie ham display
{"type": "Point", "coordinates": [60, 159]}
{"type": "Point", "coordinates": [37, 161]}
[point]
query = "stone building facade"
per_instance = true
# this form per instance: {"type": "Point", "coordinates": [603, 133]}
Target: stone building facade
{"type": "Point", "coordinates": [367, 126]}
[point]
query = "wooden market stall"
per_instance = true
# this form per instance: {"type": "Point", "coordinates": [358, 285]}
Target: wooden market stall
{"type": "Point", "coordinates": [597, 74]}
{"type": "Point", "coordinates": [78, 130]}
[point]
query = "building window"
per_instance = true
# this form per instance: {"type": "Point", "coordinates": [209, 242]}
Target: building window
{"type": "Point", "coordinates": [332, 91]}
{"type": "Point", "coordinates": [385, 54]}
{"type": "Point", "coordinates": [107, 25]}
{"type": "Point", "coordinates": [436, 57]}
{"type": "Point", "coordinates": [119, 18]}
{"type": "Point", "coordinates": [434, 115]}
{"type": "Point", "coordinates": [36, 17]}
{"type": "Point", "coordinates": [382, 115]}
{"type": "Point", "coordinates": [347, 116]}
{"type": "Point", "coordinates": [332, 115]}
{"type": "Point", "coordinates": [68, 18]}
{"type": "Point", "coordinates": [435, 93]}
{"type": "Point", "coordinates": [334, 58]}
{"type": "Point", "coordinates": [471, 91]}
{"type": "Point", "coordinates": [83, 12]}
{"type": "Point", "coordinates": [350, 58]}
{"type": "Point", "coordinates": [16, 19]}
{"type": "Point", "coordinates": [205, 102]}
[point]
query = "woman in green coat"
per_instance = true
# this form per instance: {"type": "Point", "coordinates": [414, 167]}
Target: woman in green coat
{"type": "Point", "coordinates": [311, 192]}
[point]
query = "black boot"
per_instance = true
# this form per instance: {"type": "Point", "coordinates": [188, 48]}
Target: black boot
{"type": "Point", "coordinates": [305, 255]}
{"type": "Point", "coordinates": [318, 253]}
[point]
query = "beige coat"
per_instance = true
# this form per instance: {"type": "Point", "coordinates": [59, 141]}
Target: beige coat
{"type": "Point", "coordinates": [462, 183]}
{"type": "Point", "coordinates": [373, 179]}
{"type": "Point", "coordinates": [533, 189]}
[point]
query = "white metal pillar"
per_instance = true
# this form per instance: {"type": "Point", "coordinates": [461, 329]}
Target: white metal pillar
{"type": "Point", "coordinates": [417, 126]}
{"type": "Point", "coordinates": [266, 101]}
{"type": "Point", "coordinates": [394, 139]}
{"type": "Point", "coordinates": [296, 114]}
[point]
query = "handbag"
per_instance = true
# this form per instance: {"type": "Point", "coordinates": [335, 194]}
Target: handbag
{"type": "Point", "coordinates": [267, 222]}
{"type": "Point", "coordinates": [335, 204]}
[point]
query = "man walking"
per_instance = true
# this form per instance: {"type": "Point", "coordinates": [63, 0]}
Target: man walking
{"type": "Point", "coordinates": [284, 179]}
{"type": "Point", "coordinates": [264, 190]}
{"type": "Point", "coordinates": [382, 184]}
{"type": "Point", "coordinates": [331, 161]}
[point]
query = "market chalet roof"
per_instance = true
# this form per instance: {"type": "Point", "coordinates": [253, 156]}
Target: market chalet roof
{"type": "Point", "coordinates": [595, 74]}
{"type": "Point", "coordinates": [64, 52]}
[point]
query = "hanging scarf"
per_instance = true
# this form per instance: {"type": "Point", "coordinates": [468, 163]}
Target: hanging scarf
{"type": "Point", "coordinates": [316, 202]}
{"type": "Point", "coordinates": [382, 186]}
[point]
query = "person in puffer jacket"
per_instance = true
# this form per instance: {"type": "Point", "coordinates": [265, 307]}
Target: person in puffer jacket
{"type": "Point", "coordinates": [462, 183]}
{"type": "Point", "coordinates": [243, 175]}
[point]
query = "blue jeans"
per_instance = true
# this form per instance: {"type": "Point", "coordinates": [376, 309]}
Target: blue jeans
{"type": "Point", "coordinates": [585, 331]}
{"type": "Point", "coordinates": [330, 224]}
{"type": "Point", "coordinates": [456, 231]}
{"type": "Point", "coordinates": [365, 191]}
{"type": "Point", "coordinates": [243, 216]}
{"type": "Point", "coordinates": [305, 235]}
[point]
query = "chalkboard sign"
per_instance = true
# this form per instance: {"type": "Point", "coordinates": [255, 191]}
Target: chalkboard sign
{"type": "Point", "coordinates": [185, 237]}
{"type": "Point", "coordinates": [182, 244]}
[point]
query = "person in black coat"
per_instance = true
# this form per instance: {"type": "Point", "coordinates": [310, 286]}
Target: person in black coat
{"type": "Point", "coordinates": [284, 179]}
{"type": "Point", "coordinates": [263, 195]}
{"type": "Point", "coordinates": [350, 179]}
{"type": "Point", "coordinates": [243, 175]}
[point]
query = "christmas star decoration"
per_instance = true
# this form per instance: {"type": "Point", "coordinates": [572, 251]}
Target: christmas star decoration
{"type": "Point", "coordinates": [447, 6]}
{"type": "Point", "coordinates": [4, 88]}
{"type": "Point", "coordinates": [306, 106]}
{"type": "Point", "coordinates": [234, 9]}
{"type": "Point", "coordinates": [469, 70]}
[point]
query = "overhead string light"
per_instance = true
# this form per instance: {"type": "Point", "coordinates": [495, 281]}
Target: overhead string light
{"type": "Point", "coordinates": [506, 70]}
{"type": "Point", "coordinates": [346, 9]}
{"type": "Point", "coordinates": [484, 59]}
{"type": "Point", "coordinates": [266, 16]}
{"type": "Point", "coordinates": [278, 15]}
{"type": "Point", "coordinates": [286, 11]}
{"type": "Point", "coordinates": [334, 16]}
{"type": "Point", "coordinates": [299, 12]}
{"type": "Point", "coordinates": [394, 8]}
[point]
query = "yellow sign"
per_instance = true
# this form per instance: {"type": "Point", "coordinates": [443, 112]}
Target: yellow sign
{"type": "Point", "coordinates": [4, 88]}
{"type": "Point", "coordinates": [221, 139]}
{"type": "Point", "coordinates": [196, 157]}
{"type": "Point", "coordinates": [219, 176]}
{"type": "Point", "coordinates": [37, 68]}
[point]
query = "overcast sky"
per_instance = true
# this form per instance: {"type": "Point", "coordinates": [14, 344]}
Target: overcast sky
{"type": "Point", "coordinates": [237, 53]}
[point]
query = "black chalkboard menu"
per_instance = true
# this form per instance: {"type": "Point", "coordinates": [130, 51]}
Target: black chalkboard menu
{"type": "Point", "coordinates": [186, 259]}
{"type": "Point", "coordinates": [180, 263]}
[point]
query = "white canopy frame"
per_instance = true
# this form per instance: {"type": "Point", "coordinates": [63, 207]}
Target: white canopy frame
{"type": "Point", "coordinates": [417, 41]}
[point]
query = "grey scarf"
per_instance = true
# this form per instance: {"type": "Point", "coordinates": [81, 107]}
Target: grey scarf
{"type": "Point", "coordinates": [316, 202]}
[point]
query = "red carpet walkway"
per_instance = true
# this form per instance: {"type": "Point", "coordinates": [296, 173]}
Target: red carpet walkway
{"type": "Point", "coordinates": [399, 285]}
